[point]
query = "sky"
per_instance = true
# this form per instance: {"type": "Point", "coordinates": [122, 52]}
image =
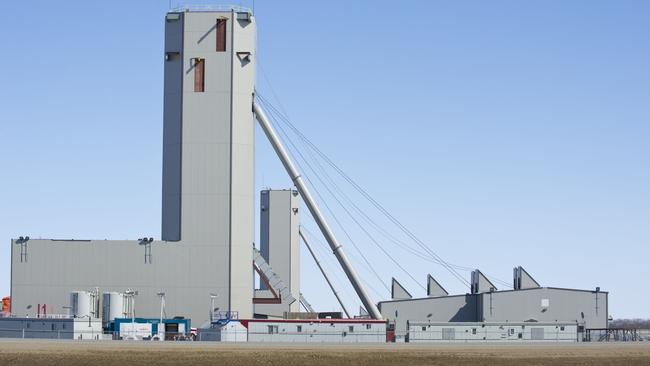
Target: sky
{"type": "Point", "coordinates": [500, 133]}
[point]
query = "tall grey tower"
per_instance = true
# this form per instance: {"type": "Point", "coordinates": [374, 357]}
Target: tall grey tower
{"type": "Point", "coordinates": [207, 203]}
{"type": "Point", "coordinates": [208, 153]}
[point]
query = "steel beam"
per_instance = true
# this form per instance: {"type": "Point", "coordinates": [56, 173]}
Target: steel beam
{"type": "Point", "coordinates": [322, 270]}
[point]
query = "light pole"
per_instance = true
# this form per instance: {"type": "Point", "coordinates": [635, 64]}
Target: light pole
{"type": "Point", "coordinates": [161, 325]}
{"type": "Point", "coordinates": [131, 296]}
{"type": "Point", "coordinates": [213, 296]}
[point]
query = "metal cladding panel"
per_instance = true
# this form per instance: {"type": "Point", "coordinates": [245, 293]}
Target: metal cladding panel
{"type": "Point", "coordinates": [420, 332]}
{"type": "Point", "coordinates": [264, 227]}
{"type": "Point", "coordinates": [398, 292]}
{"type": "Point", "coordinates": [172, 130]}
{"type": "Point", "coordinates": [206, 138]}
{"type": "Point", "coordinates": [460, 308]}
{"type": "Point", "coordinates": [280, 243]}
{"type": "Point", "coordinates": [316, 332]}
{"type": "Point", "coordinates": [480, 283]}
{"type": "Point", "coordinates": [525, 280]}
{"type": "Point", "coordinates": [434, 289]}
{"type": "Point", "coordinates": [218, 163]}
{"type": "Point", "coordinates": [55, 268]}
{"type": "Point", "coordinates": [547, 305]}
{"type": "Point", "coordinates": [207, 196]}
{"type": "Point", "coordinates": [242, 224]}
{"type": "Point", "coordinates": [294, 231]}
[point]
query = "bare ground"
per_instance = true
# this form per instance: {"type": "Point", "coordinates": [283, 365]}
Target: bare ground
{"type": "Point", "coordinates": [78, 353]}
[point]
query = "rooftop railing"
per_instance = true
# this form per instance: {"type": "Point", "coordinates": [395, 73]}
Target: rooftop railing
{"type": "Point", "coordinates": [210, 7]}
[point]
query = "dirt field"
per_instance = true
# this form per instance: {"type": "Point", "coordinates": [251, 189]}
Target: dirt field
{"type": "Point", "coordinates": [73, 353]}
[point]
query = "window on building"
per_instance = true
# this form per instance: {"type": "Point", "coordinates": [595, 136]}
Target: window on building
{"type": "Point", "coordinates": [199, 75]}
{"type": "Point", "coordinates": [473, 330]}
{"type": "Point", "coordinates": [221, 34]}
{"type": "Point", "coordinates": [562, 328]}
{"type": "Point", "coordinates": [299, 328]}
{"type": "Point", "coordinates": [273, 329]}
{"type": "Point", "coordinates": [351, 328]}
{"type": "Point", "coordinates": [368, 326]}
{"type": "Point", "coordinates": [424, 328]}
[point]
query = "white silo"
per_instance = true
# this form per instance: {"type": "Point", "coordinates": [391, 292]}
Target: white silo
{"type": "Point", "coordinates": [113, 306]}
{"type": "Point", "coordinates": [80, 304]}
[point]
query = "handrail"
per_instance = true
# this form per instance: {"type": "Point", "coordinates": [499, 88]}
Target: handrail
{"type": "Point", "coordinates": [210, 7]}
{"type": "Point", "coordinates": [42, 316]}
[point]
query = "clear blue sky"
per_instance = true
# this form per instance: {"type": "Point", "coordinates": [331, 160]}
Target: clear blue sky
{"type": "Point", "coordinates": [502, 133]}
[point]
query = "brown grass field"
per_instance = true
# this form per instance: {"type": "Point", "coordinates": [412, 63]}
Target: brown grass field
{"type": "Point", "coordinates": [77, 353]}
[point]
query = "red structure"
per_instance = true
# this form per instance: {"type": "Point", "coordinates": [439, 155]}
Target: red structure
{"type": "Point", "coordinates": [6, 305]}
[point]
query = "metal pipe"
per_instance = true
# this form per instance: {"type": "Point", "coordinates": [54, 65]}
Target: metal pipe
{"type": "Point", "coordinates": [337, 249]}
{"type": "Point", "coordinates": [322, 270]}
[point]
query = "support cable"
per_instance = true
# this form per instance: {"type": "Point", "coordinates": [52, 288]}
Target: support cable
{"type": "Point", "coordinates": [347, 211]}
{"type": "Point", "coordinates": [327, 207]}
{"type": "Point", "coordinates": [311, 204]}
{"type": "Point", "coordinates": [370, 236]}
{"type": "Point", "coordinates": [367, 195]}
{"type": "Point", "coordinates": [432, 256]}
{"type": "Point", "coordinates": [324, 248]}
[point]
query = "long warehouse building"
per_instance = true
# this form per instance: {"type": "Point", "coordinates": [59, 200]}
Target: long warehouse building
{"type": "Point", "coordinates": [528, 302]}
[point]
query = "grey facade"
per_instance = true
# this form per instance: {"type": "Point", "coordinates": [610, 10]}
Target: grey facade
{"type": "Point", "coordinates": [457, 308]}
{"type": "Point", "coordinates": [208, 188]}
{"type": "Point", "coordinates": [543, 304]}
{"type": "Point", "coordinates": [280, 244]}
{"type": "Point", "coordinates": [317, 331]}
{"type": "Point", "coordinates": [546, 304]}
{"type": "Point", "coordinates": [425, 332]}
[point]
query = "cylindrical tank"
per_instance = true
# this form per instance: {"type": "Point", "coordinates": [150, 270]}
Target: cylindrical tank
{"type": "Point", "coordinates": [6, 305]}
{"type": "Point", "coordinates": [113, 306]}
{"type": "Point", "coordinates": [80, 303]}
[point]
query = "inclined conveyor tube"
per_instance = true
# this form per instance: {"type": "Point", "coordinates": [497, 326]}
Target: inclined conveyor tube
{"type": "Point", "coordinates": [315, 211]}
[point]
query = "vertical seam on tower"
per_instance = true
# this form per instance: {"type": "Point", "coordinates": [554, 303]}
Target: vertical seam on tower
{"type": "Point", "coordinates": [232, 92]}
{"type": "Point", "coordinates": [11, 275]}
{"type": "Point", "coordinates": [180, 164]}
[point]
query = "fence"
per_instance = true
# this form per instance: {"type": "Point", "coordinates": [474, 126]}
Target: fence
{"type": "Point", "coordinates": [53, 334]}
{"type": "Point", "coordinates": [617, 335]}
{"type": "Point", "coordinates": [85, 335]}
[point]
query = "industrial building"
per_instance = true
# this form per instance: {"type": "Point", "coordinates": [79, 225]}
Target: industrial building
{"type": "Point", "coordinates": [207, 184]}
{"type": "Point", "coordinates": [203, 260]}
{"type": "Point", "coordinates": [297, 331]}
{"type": "Point", "coordinates": [425, 332]}
{"type": "Point", "coordinates": [202, 268]}
{"type": "Point", "coordinates": [52, 328]}
{"type": "Point", "coordinates": [527, 303]}
{"type": "Point", "coordinates": [280, 248]}
{"type": "Point", "coordinates": [316, 330]}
